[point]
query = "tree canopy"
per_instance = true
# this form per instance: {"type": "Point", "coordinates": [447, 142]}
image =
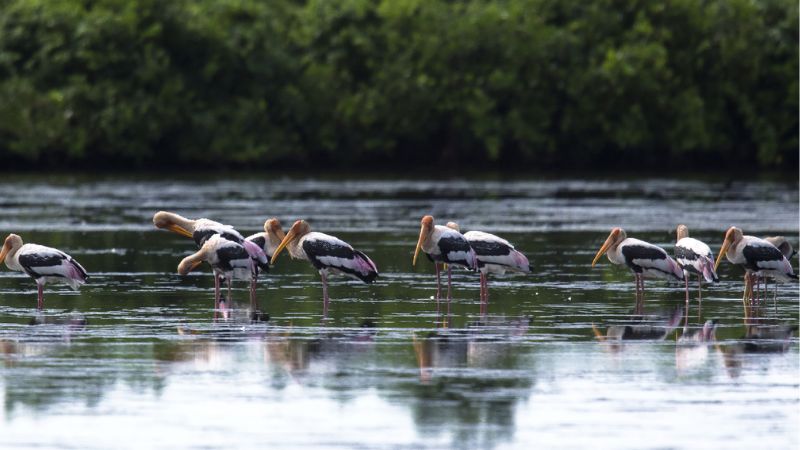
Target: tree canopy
{"type": "Point", "coordinates": [332, 83]}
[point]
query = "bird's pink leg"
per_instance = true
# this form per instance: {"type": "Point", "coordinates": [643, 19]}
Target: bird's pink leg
{"type": "Point", "coordinates": [641, 295]}
{"type": "Point", "coordinates": [481, 290]}
{"type": "Point", "coordinates": [438, 283]}
{"type": "Point", "coordinates": [754, 299]}
{"type": "Point", "coordinates": [40, 297]}
{"type": "Point", "coordinates": [216, 291]}
{"type": "Point", "coordinates": [449, 283]}
{"type": "Point", "coordinates": [486, 287]}
{"type": "Point", "coordinates": [775, 297]}
{"type": "Point", "coordinates": [686, 282]}
{"type": "Point", "coordinates": [229, 291]}
{"type": "Point", "coordinates": [324, 290]}
{"type": "Point", "coordinates": [482, 301]}
{"type": "Point", "coordinates": [253, 300]}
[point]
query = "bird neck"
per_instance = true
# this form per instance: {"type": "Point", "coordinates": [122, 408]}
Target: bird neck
{"type": "Point", "coordinates": [273, 240]}
{"type": "Point", "coordinates": [183, 222]}
{"type": "Point", "coordinates": [296, 249]}
{"type": "Point", "coordinates": [187, 263]}
{"type": "Point", "coordinates": [11, 260]}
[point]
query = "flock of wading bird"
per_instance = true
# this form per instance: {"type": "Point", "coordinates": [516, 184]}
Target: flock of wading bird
{"type": "Point", "coordinates": [233, 256]}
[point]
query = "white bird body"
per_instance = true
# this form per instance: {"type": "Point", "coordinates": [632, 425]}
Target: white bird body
{"type": "Point", "coordinates": [449, 246]}
{"type": "Point", "coordinates": [67, 270]}
{"type": "Point", "coordinates": [649, 260]}
{"type": "Point", "coordinates": [228, 259]}
{"type": "Point", "coordinates": [331, 255]}
{"type": "Point", "coordinates": [43, 264]}
{"type": "Point", "coordinates": [495, 254]}
{"type": "Point", "coordinates": [328, 254]}
{"type": "Point", "coordinates": [759, 257]}
{"type": "Point", "coordinates": [444, 245]}
{"type": "Point", "coordinates": [643, 258]}
{"type": "Point", "coordinates": [269, 239]}
{"type": "Point", "coordinates": [202, 229]}
{"type": "Point", "coordinates": [695, 257]}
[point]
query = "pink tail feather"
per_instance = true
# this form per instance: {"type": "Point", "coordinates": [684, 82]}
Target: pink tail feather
{"type": "Point", "coordinates": [255, 252]}
{"type": "Point", "coordinates": [708, 270]}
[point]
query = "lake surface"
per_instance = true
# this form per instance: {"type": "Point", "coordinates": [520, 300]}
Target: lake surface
{"type": "Point", "coordinates": [138, 358]}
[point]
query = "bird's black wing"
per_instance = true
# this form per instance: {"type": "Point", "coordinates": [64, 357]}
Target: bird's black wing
{"type": "Point", "coordinates": [325, 254]}
{"type": "Point", "coordinates": [30, 262]}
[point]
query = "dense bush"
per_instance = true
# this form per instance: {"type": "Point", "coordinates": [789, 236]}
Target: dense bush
{"type": "Point", "coordinates": [535, 83]}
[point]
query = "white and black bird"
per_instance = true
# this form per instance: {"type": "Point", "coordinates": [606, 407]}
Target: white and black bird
{"type": "Point", "coordinates": [757, 256]}
{"type": "Point", "coordinates": [495, 255]}
{"type": "Point", "coordinates": [229, 259]}
{"type": "Point", "coordinates": [643, 258]}
{"type": "Point", "coordinates": [200, 230]}
{"type": "Point", "coordinates": [328, 254]}
{"type": "Point", "coordinates": [43, 264]}
{"type": "Point", "coordinates": [269, 239]}
{"type": "Point", "coordinates": [694, 257]}
{"type": "Point", "coordinates": [444, 245]}
{"type": "Point", "coordinates": [782, 244]}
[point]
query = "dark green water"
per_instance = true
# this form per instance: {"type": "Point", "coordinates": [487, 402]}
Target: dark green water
{"type": "Point", "coordinates": [137, 358]}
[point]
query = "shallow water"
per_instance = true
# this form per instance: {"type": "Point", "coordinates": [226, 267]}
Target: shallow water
{"type": "Point", "coordinates": [137, 358]}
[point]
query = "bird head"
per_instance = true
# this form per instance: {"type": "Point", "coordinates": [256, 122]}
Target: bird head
{"type": "Point", "coordinates": [299, 229]}
{"type": "Point", "coordinates": [173, 222]}
{"type": "Point", "coordinates": [682, 232]}
{"type": "Point", "coordinates": [732, 236]}
{"type": "Point", "coordinates": [617, 235]}
{"type": "Point", "coordinates": [12, 242]}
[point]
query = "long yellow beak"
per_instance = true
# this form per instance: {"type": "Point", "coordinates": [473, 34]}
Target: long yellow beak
{"type": "Point", "coordinates": [180, 230]}
{"type": "Point", "coordinates": [286, 239]}
{"type": "Point", "coordinates": [725, 245]}
{"type": "Point", "coordinates": [603, 249]}
{"type": "Point", "coordinates": [195, 265]}
{"type": "Point", "coordinates": [419, 245]}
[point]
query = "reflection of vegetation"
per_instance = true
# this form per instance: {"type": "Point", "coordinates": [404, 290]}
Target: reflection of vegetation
{"type": "Point", "coordinates": [40, 375]}
{"type": "Point", "coordinates": [469, 384]}
{"type": "Point", "coordinates": [570, 83]}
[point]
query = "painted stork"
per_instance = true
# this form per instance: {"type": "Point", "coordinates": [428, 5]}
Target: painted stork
{"type": "Point", "coordinates": [643, 258]}
{"type": "Point", "coordinates": [269, 239]}
{"type": "Point", "coordinates": [694, 257]}
{"type": "Point", "coordinates": [228, 259]}
{"type": "Point", "coordinates": [444, 245]}
{"type": "Point", "coordinates": [758, 258]}
{"type": "Point", "coordinates": [328, 254]}
{"type": "Point", "coordinates": [788, 251]}
{"type": "Point", "coordinates": [43, 264]}
{"type": "Point", "coordinates": [202, 229]}
{"type": "Point", "coordinates": [495, 255]}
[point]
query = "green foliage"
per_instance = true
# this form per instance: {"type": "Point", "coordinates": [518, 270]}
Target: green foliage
{"type": "Point", "coordinates": [544, 83]}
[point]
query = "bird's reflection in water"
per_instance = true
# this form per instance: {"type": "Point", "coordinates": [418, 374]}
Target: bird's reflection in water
{"type": "Point", "coordinates": [231, 311]}
{"type": "Point", "coordinates": [757, 340]}
{"type": "Point", "coordinates": [639, 327]}
{"type": "Point", "coordinates": [692, 348]}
